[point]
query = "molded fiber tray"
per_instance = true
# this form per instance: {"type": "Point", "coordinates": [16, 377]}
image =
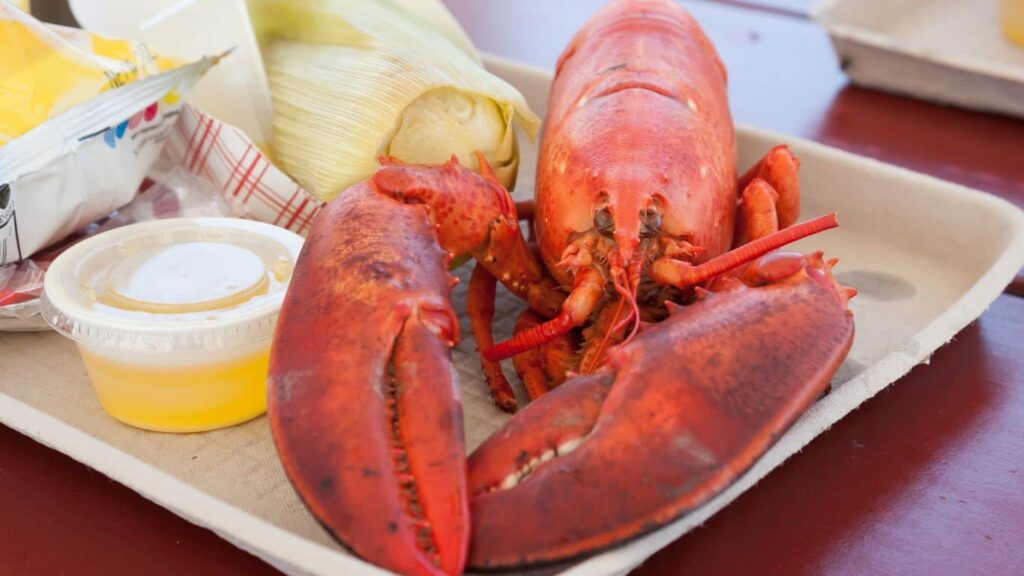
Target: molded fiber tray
{"type": "Point", "coordinates": [948, 51]}
{"type": "Point", "coordinates": [927, 256]}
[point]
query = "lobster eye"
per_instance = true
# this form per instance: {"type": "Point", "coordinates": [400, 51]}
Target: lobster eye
{"type": "Point", "coordinates": [650, 222]}
{"type": "Point", "coordinates": [603, 221]}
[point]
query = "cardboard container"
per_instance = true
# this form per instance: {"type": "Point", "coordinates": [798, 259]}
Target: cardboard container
{"type": "Point", "coordinates": [927, 256]}
{"type": "Point", "coordinates": [948, 51]}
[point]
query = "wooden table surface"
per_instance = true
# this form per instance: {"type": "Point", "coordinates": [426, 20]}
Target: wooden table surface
{"type": "Point", "coordinates": [926, 478]}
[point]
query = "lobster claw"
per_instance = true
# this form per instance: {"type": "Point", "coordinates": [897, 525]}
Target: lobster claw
{"type": "Point", "coordinates": [672, 419]}
{"type": "Point", "coordinates": [363, 400]}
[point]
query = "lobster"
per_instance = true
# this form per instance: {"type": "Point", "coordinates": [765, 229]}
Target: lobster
{"type": "Point", "coordinates": [666, 344]}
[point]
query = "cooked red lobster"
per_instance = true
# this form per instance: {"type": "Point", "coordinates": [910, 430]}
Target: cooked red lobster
{"type": "Point", "coordinates": [675, 343]}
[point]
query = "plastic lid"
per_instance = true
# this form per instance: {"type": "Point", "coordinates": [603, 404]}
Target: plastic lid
{"type": "Point", "coordinates": [166, 285]}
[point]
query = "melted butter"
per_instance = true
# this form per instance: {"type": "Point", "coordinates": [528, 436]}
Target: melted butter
{"type": "Point", "coordinates": [181, 285]}
{"type": "Point", "coordinates": [186, 398]}
{"type": "Point", "coordinates": [164, 280]}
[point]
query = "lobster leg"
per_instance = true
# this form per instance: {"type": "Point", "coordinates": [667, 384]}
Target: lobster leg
{"type": "Point", "coordinates": [588, 288]}
{"type": "Point", "coordinates": [693, 402]}
{"type": "Point", "coordinates": [531, 370]}
{"type": "Point", "coordinates": [601, 335]}
{"type": "Point", "coordinates": [480, 309]}
{"type": "Point", "coordinates": [756, 215]}
{"type": "Point", "coordinates": [542, 369]}
{"type": "Point", "coordinates": [530, 364]}
{"type": "Point", "coordinates": [526, 209]}
{"type": "Point", "coordinates": [771, 268]}
{"type": "Point", "coordinates": [682, 274]}
{"type": "Point", "coordinates": [483, 224]}
{"type": "Point", "coordinates": [779, 169]}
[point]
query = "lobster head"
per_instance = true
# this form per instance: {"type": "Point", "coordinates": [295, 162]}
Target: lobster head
{"type": "Point", "coordinates": [638, 158]}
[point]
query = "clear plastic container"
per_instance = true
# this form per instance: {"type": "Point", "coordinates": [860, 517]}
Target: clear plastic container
{"type": "Point", "coordinates": [174, 318]}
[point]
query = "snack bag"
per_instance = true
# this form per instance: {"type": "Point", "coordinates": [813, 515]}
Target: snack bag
{"type": "Point", "coordinates": [237, 94]}
{"type": "Point", "coordinates": [105, 108]}
{"type": "Point", "coordinates": [46, 70]}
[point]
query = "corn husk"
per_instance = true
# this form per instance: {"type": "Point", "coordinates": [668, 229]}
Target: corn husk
{"type": "Point", "coordinates": [436, 15]}
{"type": "Point", "coordinates": [354, 79]}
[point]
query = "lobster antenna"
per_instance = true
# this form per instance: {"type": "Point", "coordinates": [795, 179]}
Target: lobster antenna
{"type": "Point", "coordinates": [531, 338]}
{"type": "Point", "coordinates": [748, 252]}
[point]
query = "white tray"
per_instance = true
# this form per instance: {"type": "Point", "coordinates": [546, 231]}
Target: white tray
{"type": "Point", "coordinates": [927, 257]}
{"type": "Point", "coordinates": [948, 51]}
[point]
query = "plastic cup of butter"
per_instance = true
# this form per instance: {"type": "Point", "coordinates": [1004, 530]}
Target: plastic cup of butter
{"type": "Point", "coordinates": [174, 318]}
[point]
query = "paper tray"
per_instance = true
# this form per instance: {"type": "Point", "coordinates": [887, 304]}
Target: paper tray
{"type": "Point", "coordinates": [949, 51]}
{"type": "Point", "coordinates": [927, 257]}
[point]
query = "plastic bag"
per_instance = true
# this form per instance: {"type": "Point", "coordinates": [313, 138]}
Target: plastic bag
{"type": "Point", "coordinates": [47, 70]}
{"type": "Point", "coordinates": [237, 94]}
{"type": "Point", "coordinates": [173, 193]}
{"type": "Point", "coordinates": [86, 162]}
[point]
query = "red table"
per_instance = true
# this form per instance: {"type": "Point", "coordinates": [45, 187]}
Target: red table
{"type": "Point", "coordinates": [926, 478]}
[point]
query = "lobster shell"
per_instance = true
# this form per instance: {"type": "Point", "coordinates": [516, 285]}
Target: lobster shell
{"type": "Point", "coordinates": [638, 113]}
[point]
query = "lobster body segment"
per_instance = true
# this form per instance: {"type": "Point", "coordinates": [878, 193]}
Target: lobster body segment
{"type": "Point", "coordinates": [637, 164]}
{"type": "Point", "coordinates": [638, 140]}
{"type": "Point", "coordinates": [668, 343]}
{"type": "Point", "coordinates": [637, 188]}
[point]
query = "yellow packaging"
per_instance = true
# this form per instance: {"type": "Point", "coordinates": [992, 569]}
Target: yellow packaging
{"type": "Point", "coordinates": [1013, 20]}
{"type": "Point", "coordinates": [46, 70]}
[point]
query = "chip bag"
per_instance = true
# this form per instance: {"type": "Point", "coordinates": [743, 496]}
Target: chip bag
{"type": "Point", "coordinates": [46, 70]}
{"type": "Point", "coordinates": [82, 118]}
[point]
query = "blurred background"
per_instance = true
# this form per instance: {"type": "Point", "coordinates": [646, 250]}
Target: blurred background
{"type": "Point", "coordinates": [55, 11]}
